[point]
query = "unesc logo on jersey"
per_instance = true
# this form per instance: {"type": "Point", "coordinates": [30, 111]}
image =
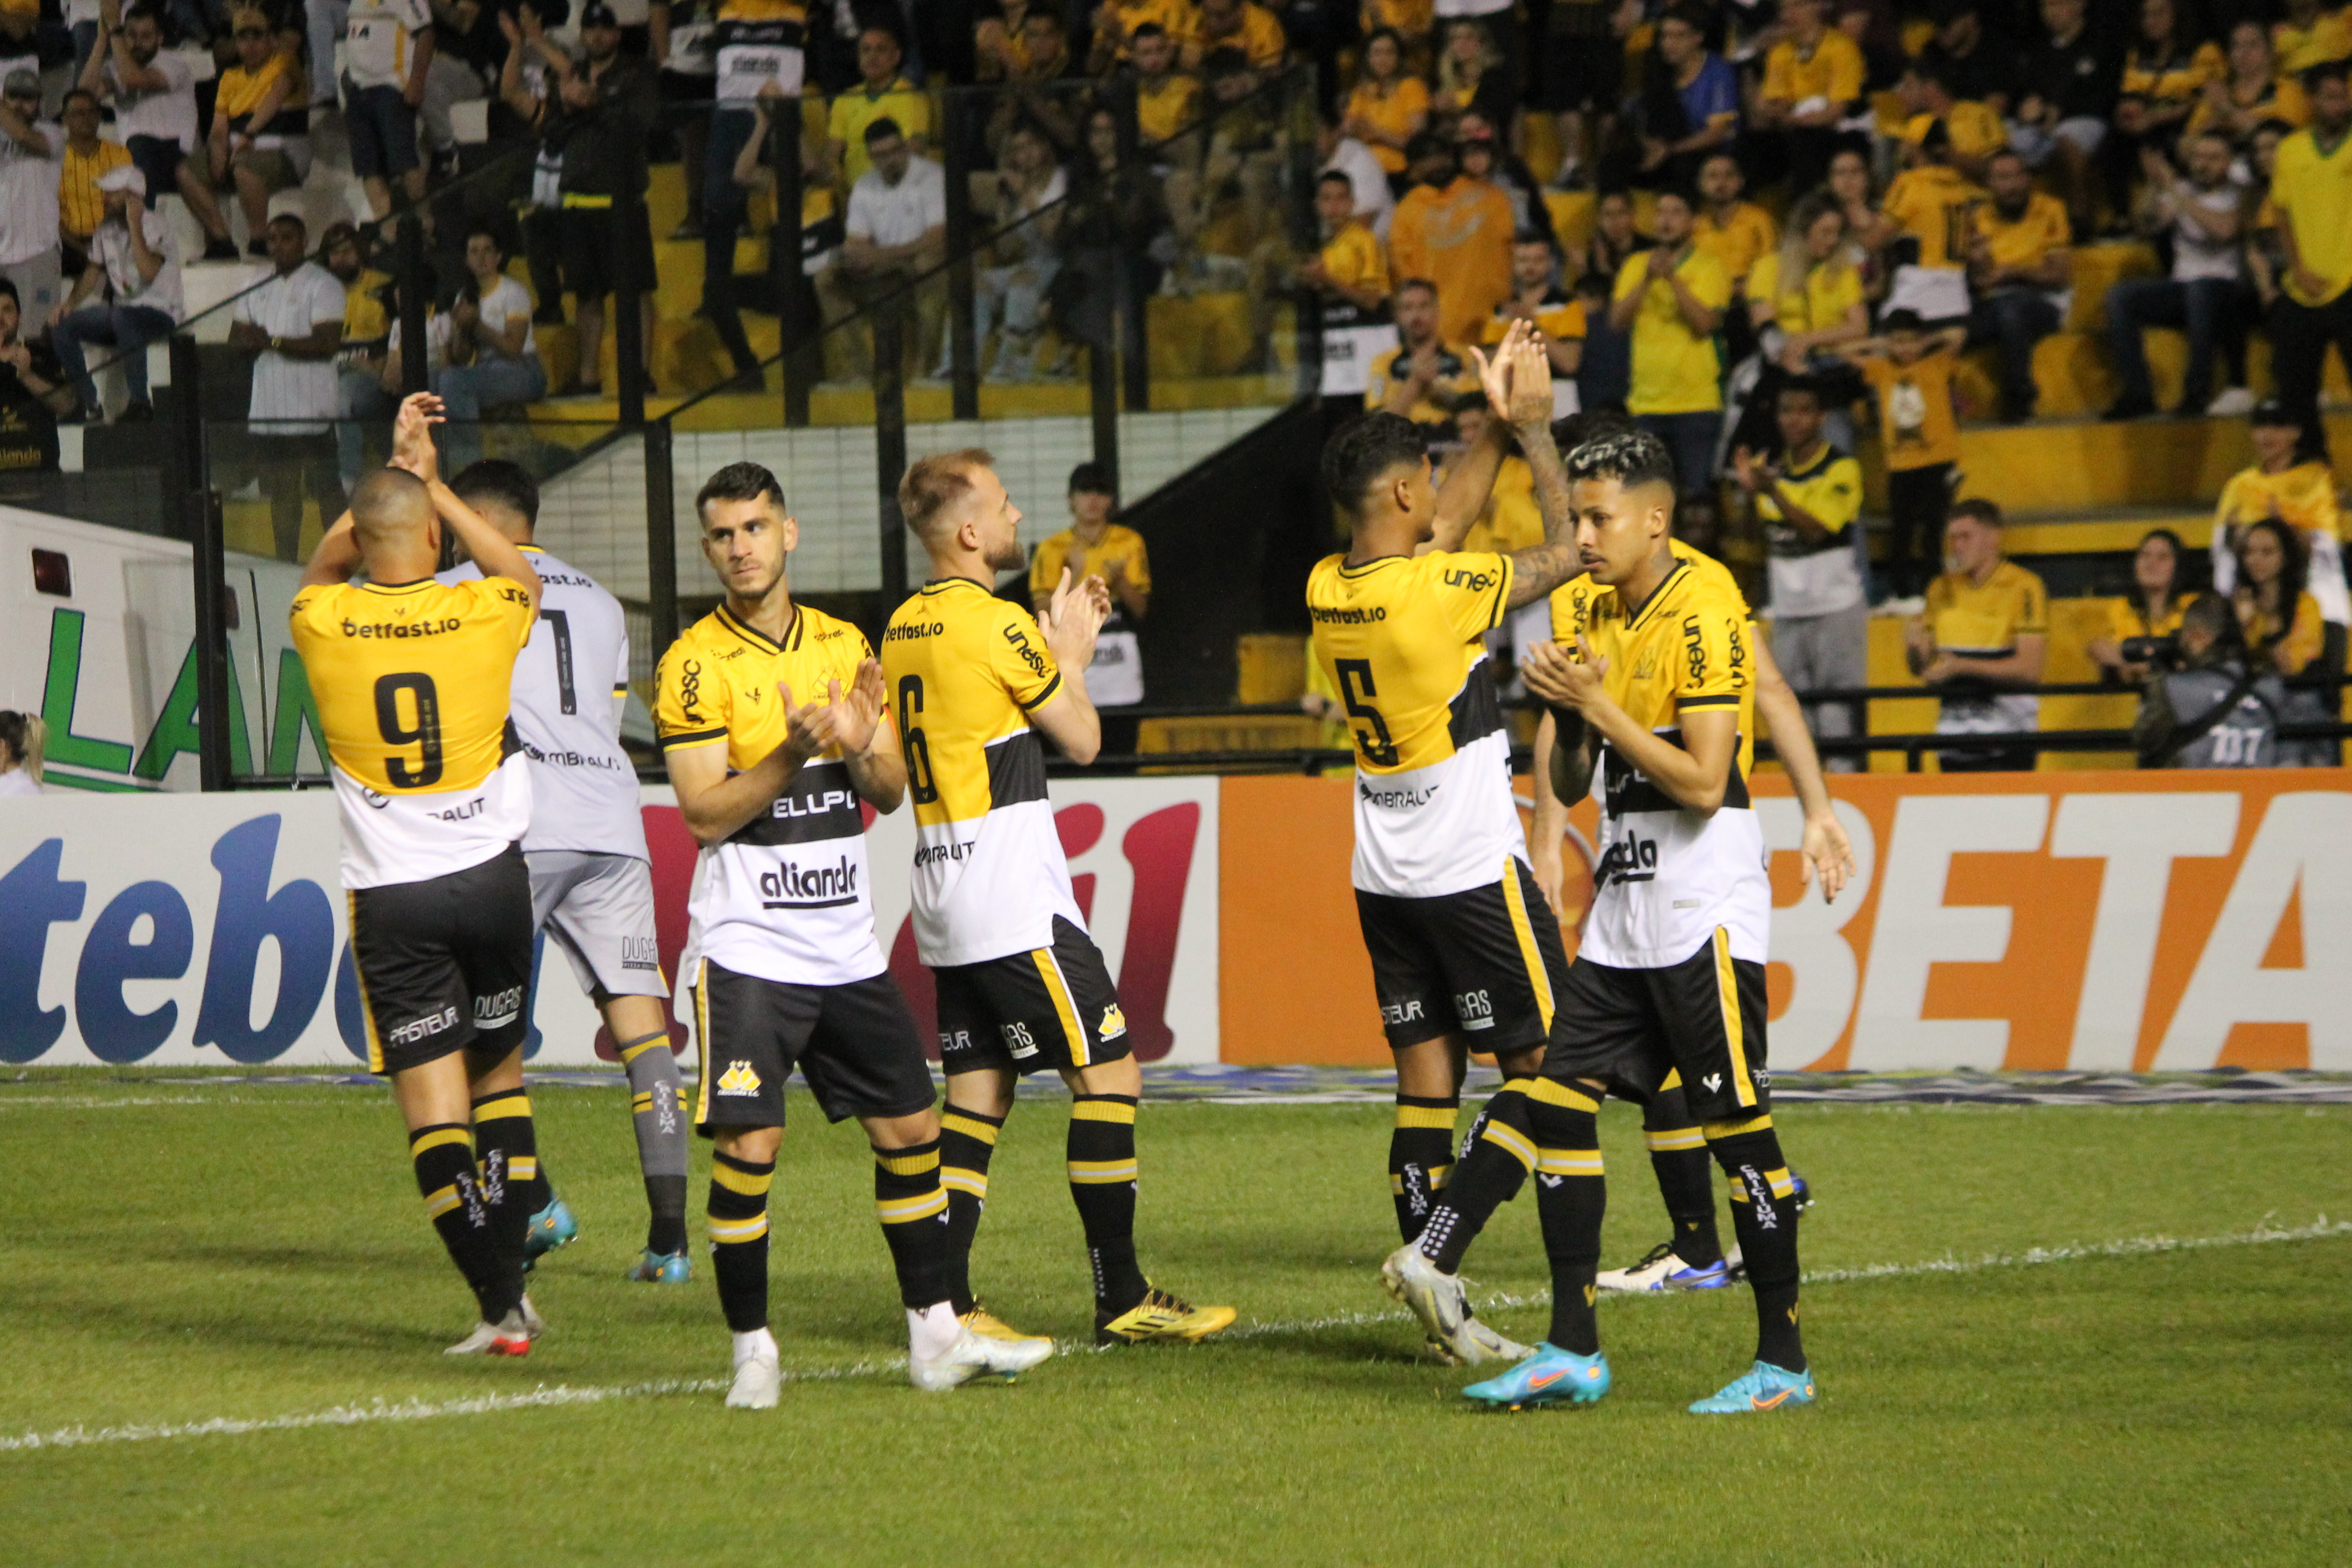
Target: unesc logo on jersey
{"type": "Point", "coordinates": [739, 1079]}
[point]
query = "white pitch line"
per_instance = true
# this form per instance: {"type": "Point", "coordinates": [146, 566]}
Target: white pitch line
{"type": "Point", "coordinates": [2320, 1229]}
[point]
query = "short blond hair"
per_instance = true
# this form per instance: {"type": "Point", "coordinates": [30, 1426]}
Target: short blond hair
{"type": "Point", "coordinates": [933, 485]}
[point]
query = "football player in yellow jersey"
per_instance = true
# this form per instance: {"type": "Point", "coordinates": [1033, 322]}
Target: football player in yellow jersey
{"type": "Point", "coordinates": [411, 678]}
{"type": "Point", "coordinates": [1669, 978]}
{"type": "Point", "coordinates": [1694, 1258]}
{"type": "Point", "coordinates": [1465, 954]}
{"type": "Point", "coordinates": [1021, 986]}
{"type": "Point", "coordinates": [777, 734]}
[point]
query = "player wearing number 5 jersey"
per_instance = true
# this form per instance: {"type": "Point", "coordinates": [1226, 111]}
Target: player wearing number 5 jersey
{"type": "Point", "coordinates": [411, 679]}
{"type": "Point", "coordinates": [1466, 951]}
{"type": "Point", "coordinates": [1021, 986]}
{"type": "Point", "coordinates": [778, 739]}
{"type": "Point", "coordinates": [592, 886]}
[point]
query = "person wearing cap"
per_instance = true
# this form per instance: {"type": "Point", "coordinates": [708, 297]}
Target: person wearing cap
{"type": "Point", "coordinates": [81, 206]}
{"type": "Point", "coordinates": [1455, 231]}
{"type": "Point", "coordinates": [32, 155]}
{"type": "Point", "coordinates": [260, 139]}
{"type": "Point", "coordinates": [1094, 546]}
{"type": "Point", "coordinates": [602, 114]}
{"type": "Point", "coordinates": [154, 97]}
{"type": "Point", "coordinates": [293, 324]}
{"type": "Point", "coordinates": [2286, 485]}
{"type": "Point", "coordinates": [126, 297]}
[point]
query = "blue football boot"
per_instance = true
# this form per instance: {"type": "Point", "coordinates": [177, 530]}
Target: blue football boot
{"type": "Point", "coordinates": [1764, 1387]}
{"type": "Point", "coordinates": [1550, 1376]}
{"type": "Point", "coordinates": [550, 1227]}
{"type": "Point", "coordinates": [661, 1269]}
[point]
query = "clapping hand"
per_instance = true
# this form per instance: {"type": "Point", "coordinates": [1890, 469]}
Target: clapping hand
{"type": "Point", "coordinates": [411, 435]}
{"type": "Point", "coordinates": [812, 731]}
{"type": "Point", "coordinates": [1562, 678]}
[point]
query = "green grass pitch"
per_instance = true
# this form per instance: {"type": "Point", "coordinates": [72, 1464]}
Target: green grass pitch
{"type": "Point", "coordinates": [176, 1253]}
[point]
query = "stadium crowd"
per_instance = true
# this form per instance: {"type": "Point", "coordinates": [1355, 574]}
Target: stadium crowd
{"type": "Point", "coordinates": [1757, 227]}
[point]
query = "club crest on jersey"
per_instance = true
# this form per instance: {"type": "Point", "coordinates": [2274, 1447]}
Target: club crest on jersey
{"type": "Point", "coordinates": [1114, 1023]}
{"type": "Point", "coordinates": [739, 1079]}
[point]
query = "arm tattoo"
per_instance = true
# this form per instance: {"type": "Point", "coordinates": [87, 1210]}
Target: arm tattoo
{"type": "Point", "coordinates": [1540, 568]}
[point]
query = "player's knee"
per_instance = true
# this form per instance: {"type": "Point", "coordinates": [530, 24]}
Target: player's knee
{"type": "Point", "coordinates": [901, 1131]}
{"type": "Point", "coordinates": [755, 1145]}
{"type": "Point", "coordinates": [1122, 1075]}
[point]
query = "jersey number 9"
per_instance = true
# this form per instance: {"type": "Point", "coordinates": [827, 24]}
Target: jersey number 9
{"type": "Point", "coordinates": [920, 781]}
{"type": "Point", "coordinates": [1356, 690]}
{"type": "Point", "coordinates": [425, 735]}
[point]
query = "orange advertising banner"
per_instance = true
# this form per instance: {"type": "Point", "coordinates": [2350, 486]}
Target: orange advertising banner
{"type": "Point", "coordinates": [2122, 921]}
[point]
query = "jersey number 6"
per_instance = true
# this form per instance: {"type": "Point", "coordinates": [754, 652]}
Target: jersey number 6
{"type": "Point", "coordinates": [426, 735]}
{"type": "Point", "coordinates": [1356, 690]}
{"type": "Point", "coordinates": [920, 781]}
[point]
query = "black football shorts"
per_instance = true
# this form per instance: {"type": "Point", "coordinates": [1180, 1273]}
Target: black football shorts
{"type": "Point", "coordinates": [444, 965]}
{"type": "Point", "coordinates": [1703, 1017]}
{"type": "Point", "coordinates": [1487, 963]}
{"type": "Point", "coordinates": [856, 1045]}
{"type": "Point", "coordinates": [1050, 1007]}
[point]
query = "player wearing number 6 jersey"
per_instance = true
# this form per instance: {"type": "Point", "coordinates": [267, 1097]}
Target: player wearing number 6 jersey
{"type": "Point", "coordinates": [1466, 951]}
{"type": "Point", "coordinates": [1021, 986]}
{"type": "Point", "coordinates": [591, 886]}
{"type": "Point", "coordinates": [410, 679]}
{"type": "Point", "coordinates": [779, 738]}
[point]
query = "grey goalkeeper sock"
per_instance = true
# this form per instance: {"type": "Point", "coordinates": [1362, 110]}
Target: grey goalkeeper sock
{"type": "Point", "coordinates": [658, 1106]}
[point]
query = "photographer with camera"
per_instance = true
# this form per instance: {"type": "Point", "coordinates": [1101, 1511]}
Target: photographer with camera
{"type": "Point", "coordinates": [2216, 706]}
{"type": "Point", "coordinates": [2150, 614]}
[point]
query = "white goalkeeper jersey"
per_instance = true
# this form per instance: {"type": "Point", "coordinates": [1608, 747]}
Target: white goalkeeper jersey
{"type": "Point", "coordinates": [570, 683]}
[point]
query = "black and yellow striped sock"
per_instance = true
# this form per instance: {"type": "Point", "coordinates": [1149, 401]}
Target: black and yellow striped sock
{"type": "Point", "coordinates": [1685, 1175]}
{"type": "Point", "coordinates": [967, 1142]}
{"type": "Point", "coordinates": [443, 1155]}
{"type": "Point", "coordinates": [1764, 1218]}
{"type": "Point", "coordinates": [1501, 1154]}
{"type": "Point", "coordinates": [1421, 1158]}
{"type": "Point", "coordinates": [1570, 1199]}
{"type": "Point", "coordinates": [506, 1145]}
{"type": "Point", "coordinates": [658, 1110]}
{"type": "Point", "coordinates": [913, 1209]}
{"type": "Point", "coordinates": [738, 1239]}
{"type": "Point", "coordinates": [1101, 1155]}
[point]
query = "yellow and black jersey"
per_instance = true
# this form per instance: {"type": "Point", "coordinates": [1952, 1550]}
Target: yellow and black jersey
{"type": "Point", "coordinates": [1984, 620]}
{"type": "Point", "coordinates": [1669, 878]}
{"type": "Point", "coordinates": [965, 670]}
{"type": "Point", "coordinates": [412, 682]}
{"type": "Point", "coordinates": [1402, 640]}
{"type": "Point", "coordinates": [787, 896]}
{"type": "Point", "coordinates": [1574, 602]}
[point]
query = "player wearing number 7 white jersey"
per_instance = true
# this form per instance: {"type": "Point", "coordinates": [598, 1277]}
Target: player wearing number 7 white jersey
{"type": "Point", "coordinates": [591, 878]}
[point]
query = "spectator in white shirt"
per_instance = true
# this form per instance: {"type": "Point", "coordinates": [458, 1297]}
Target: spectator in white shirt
{"type": "Point", "coordinates": [32, 155]}
{"type": "Point", "coordinates": [895, 230]}
{"type": "Point", "coordinates": [1342, 153]}
{"type": "Point", "coordinates": [492, 359]}
{"type": "Point", "coordinates": [294, 322]}
{"type": "Point", "coordinates": [2205, 213]}
{"type": "Point", "coordinates": [135, 260]}
{"type": "Point", "coordinates": [387, 54]}
{"type": "Point", "coordinates": [154, 99]}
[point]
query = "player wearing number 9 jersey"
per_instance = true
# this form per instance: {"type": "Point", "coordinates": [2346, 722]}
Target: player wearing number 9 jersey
{"type": "Point", "coordinates": [410, 679]}
{"type": "Point", "coordinates": [1021, 986]}
{"type": "Point", "coordinates": [1465, 952]}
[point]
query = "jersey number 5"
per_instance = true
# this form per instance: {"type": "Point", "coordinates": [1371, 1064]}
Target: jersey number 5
{"type": "Point", "coordinates": [425, 735]}
{"type": "Point", "coordinates": [920, 781]}
{"type": "Point", "coordinates": [1356, 690]}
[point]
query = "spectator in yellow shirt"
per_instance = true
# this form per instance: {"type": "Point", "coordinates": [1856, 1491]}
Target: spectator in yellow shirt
{"type": "Point", "coordinates": [1236, 25]}
{"type": "Point", "coordinates": [1911, 369]}
{"type": "Point", "coordinates": [2282, 620]}
{"type": "Point", "coordinates": [1117, 22]}
{"type": "Point", "coordinates": [1672, 300]}
{"type": "Point", "coordinates": [1812, 80]}
{"type": "Point", "coordinates": [1734, 232]}
{"type": "Point", "coordinates": [2020, 265]}
{"type": "Point", "coordinates": [2311, 189]}
{"type": "Point", "coordinates": [881, 94]}
{"type": "Point", "coordinates": [1165, 99]}
{"type": "Point", "coordinates": [2152, 608]}
{"type": "Point", "coordinates": [1456, 231]}
{"type": "Point", "coordinates": [81, 206]}
{"type": "Point", "coordinates": [1924, 225]}
{"type": "Point", "coordinates": [1422, 378]}
{"type": "Point", "coordinates": [1983, 635]}
{"type": "Point", "coordinates": [1538, 300]}
{"type": "Point", "coordinates": [1349, 279]}
{"type": "Point", "coordinates": [2313, 33]}
{"type": "Point", "coordinates": [2248, 92]}
{"type": "Point", "coordinates": [1095, 546]}
{"type": "Point", "coordinates": [1975, 129]}
{"type": "Point", "coordinates": [1388, 108]}
{"type": "Point", "coordinates": [2287, 488]}
{"type": "Point", "coordinates": [1819, 306]}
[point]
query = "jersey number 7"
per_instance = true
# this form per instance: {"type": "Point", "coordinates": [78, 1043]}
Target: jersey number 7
{"type": "Point", "coordinates": [1378, 746]}
{"type": "Point", "coordinates": [425, 735]}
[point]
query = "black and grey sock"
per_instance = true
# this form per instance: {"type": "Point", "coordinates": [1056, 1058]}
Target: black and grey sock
{"type": "Point", "coordinates": [658, 1110]}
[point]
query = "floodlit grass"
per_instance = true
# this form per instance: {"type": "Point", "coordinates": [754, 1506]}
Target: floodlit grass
{"type": "Point", "coordinates": [177, 1253]}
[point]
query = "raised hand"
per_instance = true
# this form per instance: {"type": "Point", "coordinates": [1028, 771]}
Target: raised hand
{"type": "Point", "coordinates": [411, 435]}
{"type": "Point", "coordinates": [1072, 616]}
{"type": "Point", "coordinates": [1530, 400]}
{"type": "Point", "coordinates": [1495, 374]}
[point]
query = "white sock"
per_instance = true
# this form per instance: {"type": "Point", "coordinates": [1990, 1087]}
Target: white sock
{"type": "Point", "coordinates": [757, 1342]}
{"type": "Point", "coordinates": [932, 1331]}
